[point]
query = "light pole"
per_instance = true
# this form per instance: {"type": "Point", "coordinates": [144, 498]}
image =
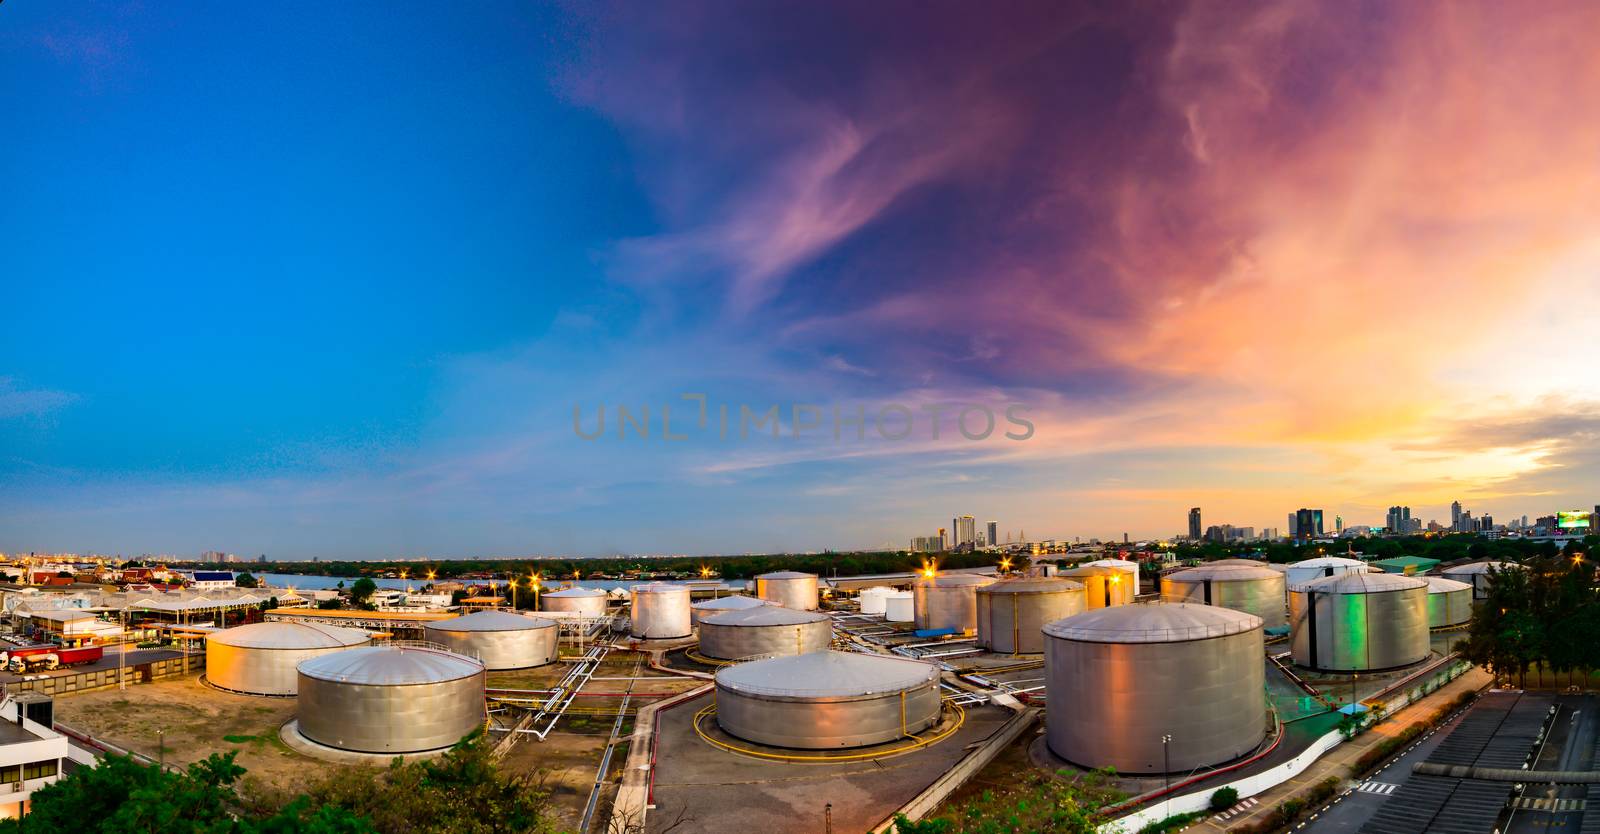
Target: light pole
{"type": "Point", "coordinates": [534, 581]}
{"type": "Point", "coordinates": [1166, 766]}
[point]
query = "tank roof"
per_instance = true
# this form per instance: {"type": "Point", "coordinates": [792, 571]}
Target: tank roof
{"type": "Point", "coordinates": [284, 634]}
{"type": "Point", "coordinates": [955, 580]}
{"type": "Point", "coordinates": [1224, 573]}
{"type": "Point", "coordinates": [827, 674]}
{"type": "Point", "coordinates": [1113, 563]}
{"type": "Point", "coordinates": [732, 602]}
{"type": "Point", "coordinates": [1158, 623]}
{"type": "Point", "coordinates": [1092, 569]}
{"type": "Point", "coordinates": [763, 615]}
{"type": "Point", "coordinates": [1479, 567]}
{"type": "Point", "coordinates": [786, 574]}
{"type": "Point", "coordinates": [660, 588]}
{"type": "Point", "coordinates": [1440, 585]}
{"type": "Point", "coordinates": [1257, 563]}
{"type": "Point", "coordinates": [390, 666]}
{"type": "Point", "coordinates": [492, 621]}
{"type": "Point", "coordinates": [576, 591]}
{"type": "Point", "coordinates": [1328, 562]}
{"type": "Point", "coordinates": [1361, 583]}
{"type": "Point", "coordinates": [1032, 585]}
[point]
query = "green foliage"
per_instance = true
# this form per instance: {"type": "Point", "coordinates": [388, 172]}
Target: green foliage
{"type": "Point", "coordinates": [928, 826]}
{"type": "Point", "coordinates": [1065, 803]}
{"type": "Point", "coordinates": [1224, 798]}
{"type": "Point", "coordinates": [362, 590]}
{"type": "Point", "coordinates": [245, 580]}
{"type": "Point", "coordinates": [330, 604]}
{"type": "Point", "coordinates": [1548, 614]}
{"type": "Point", "coordinates": [1172, 823]}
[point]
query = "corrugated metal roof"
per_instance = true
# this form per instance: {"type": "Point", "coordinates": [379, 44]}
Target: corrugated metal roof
{"type": "Point", "coordinates": [492, 621]}
{"type": "Point", "coordinates": [1440, 585]}
{"type": "Point", "coordinates": [390, 666]}
{"type": "Point", "coordinates": [827, 674]}
{"type": "Point", "coordinates": [730, 603]}
{"type": "Point", "coordinates": [764, 615]}
{"type": "Point", "coordinates": [787, 574]}
{"type": "Point", "coordinates": [1032, 585]}
{"type": "Point", "coordinates": [1163, 623]}
{"type": "Point", "coordinates": [577, 592]}
{"type": "Point", "coordinates": [1224, 573]}
{"type": "Point", "coordinates": [1361, 583]}
{"type": "Point", "coordinates": [289, 635]}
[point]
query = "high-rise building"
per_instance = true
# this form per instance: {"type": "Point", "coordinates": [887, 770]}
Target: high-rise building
{"type": "Point", "coordinates": [1455, 516]}
{"type": "Point", "coordinates": [942, 540]}
{"type": "Point", "coordinates": [994, 532]}
{"type": "Point", "coordinates": [966, 531]}
{"type": "Point", "coordinates": [1398, 520]}
{"type": "Point", "coordinates": [1307, 524]}
{"type": "Point", "coordinates": [1338, 524]}
{"type": "Point", "coordinates": [1594, 520]}
{"type": "Point", "coordinates": [1294, 526]}
{"type": "Point", "coordinates": [1194, 524]}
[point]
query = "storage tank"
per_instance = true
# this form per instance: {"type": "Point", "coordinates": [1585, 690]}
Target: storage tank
{"type": "Point", "coordinates": [1477, 574]}
{"type": "Point", "coordinates": [260, 658]}
{"type": "Point", "coordinates": [765, 631]}
{"type": "Point", "coordinates": [1359, 622]}
{"type": "Point", "coordinates": [1130, 569]}
{"type": "Point", "coordinates": [1103, 586]}
{"type": "Point", "coordinates": [949, 600]}
{"type": "Point", "coordinates": [733, 602]}
{"type": "Point", "coordinates": [585, 602]}
{"type": "Point", "coordinates": [827, 699]}
{"type": "Point", "coordinates": [661, 611]}
{"type": "Point", "coordinates": [1302, 572]}
{"type": "Point", "coordinates": [899, 607]}
{"type": "Point", "coordinates": [872, 599]}
{"type": "Point", "coordinates": [1012, 612]}
{"type": "Point", "coordinates": [390, 699]}
{"type": "Point", "coordinates": [1449, 602]}
{"type": "Point", "coordinates": [498, 639]}
{"type": "Point", "coordinates": [1253, 589]}
{"type": "Point", "coordinates": [790, 589]}
{"type": "Point", "coordinates": [1119, 679]}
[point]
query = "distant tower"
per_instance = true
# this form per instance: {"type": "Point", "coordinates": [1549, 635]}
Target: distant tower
{"type": "Point", "coordinates": [994, 533]}
{"type": "Point", "coordinates": [1194, 524]}
{"type": "Point", "coordinates": [1455, 515]}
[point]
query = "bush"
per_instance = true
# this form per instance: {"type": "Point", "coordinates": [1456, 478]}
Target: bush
{"type": "Point", "coordinates": [1224, 798]}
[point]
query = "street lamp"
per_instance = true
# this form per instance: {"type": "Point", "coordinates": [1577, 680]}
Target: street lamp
{"type": "Point", "coordinates": [533, 582]}
{"type": "Point", "coordinates": [1166, 766]}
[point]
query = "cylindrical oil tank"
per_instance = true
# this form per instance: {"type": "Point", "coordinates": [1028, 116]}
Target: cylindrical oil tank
{"type": "Point", "coordinates": [1359, 622]}
{"type": "Point", "coordinates": [661, 611]}
{"type": "Point", "coordinates": [1120, 679]}
{"type": "Point", "coordinates": [769, 630]}
{"type": "Point", "coordinates": [1129, 568]}
{"type": "Point", "coordinates": [899, 607]}
{"type": "Point", "coordinates": [260, 658]}
{"type": "Point", "coordinates": [1103, 587]}
{"type": "Point", "coordinates": [390, 699]}
{"type": "Point", "coordinates": [1449, 602]}
{"type": "Point", "coordinates": [790, 589]}
{"type": "Point", "coordinates": [586, 602]}
{"type": "Point", "coordinates": [949, 600]}
{"type": "Point", "coordinates": [872, 599]}
{"type": "Point", "coordinates": [1254, 563]}
{"type": "Point", "coordinates": [828, 699]}
{"type": "Point", "coordinates": [1302, 572]}
{"type": "Point", "coordinates": [1478, 575]}
{"type": "Point", "coordinates": [732, 602]}
{"type": "Point", "coordinates": [498, 639]}
{"type": "Point", "coordinates": [1248, 588]}
{"type": "Point", "coordinates": [1013, 612]}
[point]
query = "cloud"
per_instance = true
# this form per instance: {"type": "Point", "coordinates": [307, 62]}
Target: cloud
{"type": "Point", "coordinates": [20, 402]}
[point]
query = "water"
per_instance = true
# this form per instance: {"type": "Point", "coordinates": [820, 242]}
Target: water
{"type": "Point", "coordinates": [311, 582]}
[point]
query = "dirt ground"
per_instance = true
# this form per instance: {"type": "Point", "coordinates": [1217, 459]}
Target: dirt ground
{"type": "Point", "coordinates": [195, 721]}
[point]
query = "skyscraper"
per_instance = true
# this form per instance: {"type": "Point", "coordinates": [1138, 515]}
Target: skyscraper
{"type": "Point", "coordinates": [1194, 524]}
{"type": "Point", "coordinates": [966, 531]}
{"type": "Point", "coordinates": [994, 533]}
{"type": "Point", "coordinates": [1307, 524]}
{"type": "Point", "coordinates": [1455, 516]}
{"type": "Point", "coordinates": [1398, 520]}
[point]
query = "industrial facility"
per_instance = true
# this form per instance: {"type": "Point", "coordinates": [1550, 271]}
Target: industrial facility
{"type": "Point", "coordinates": [661, 611]}
{"type": "Point", "coordinates": [764, 631]}
{"type": "Point", "coordinates": [827, 699]}
{"type": "Point", "coordinates": [1478, 575]}
{"type": "Point", "coordinates": [390, 699]}
{"type": "Point", "coordinates": [1305, 571]}
{"type": "Point", "coordinates": [585, 602]}
{"type": "Point", "coordinates": [1449, 602]}
{"type": "Point", "coordinates": [1359, 622]}
{"type": "Point", "coordinates": [1155, 688]}
{"type": "Point", "coordinates": [899, 607]}
{"type": "Point", "coordinates": [948, 601]}
{"type": "Point", "coordinates": [872, 600]}
{"type": "Point", "coordinates": [498, 639]}
{"type": "Point", "coordinates": [1257, 590]}
{"type": "Point", "coordinates": [790, 589]}
{"type": "Point", "coordinates": [1012, 613]}
{"type": "Point", "coordinates": [733, 602]}
{"type": "Point", "coordinates": [1104, 585]}
{"type": "Point", "coordinates": [261, 658]}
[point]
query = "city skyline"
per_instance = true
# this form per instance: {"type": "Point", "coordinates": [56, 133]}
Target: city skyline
{"type": "Point", "coordinates": [361, 297]}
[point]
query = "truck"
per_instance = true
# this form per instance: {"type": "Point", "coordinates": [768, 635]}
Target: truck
{"type": "Point", "coordinates": [21, 659]}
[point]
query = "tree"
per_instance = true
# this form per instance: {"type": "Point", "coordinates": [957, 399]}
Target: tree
{"type": "Point", "coordinates": [362, 590]}
{"type": "Point", "coordinates": [245, 580]}
{"type": "Point", "coordinates": [1224, 798]}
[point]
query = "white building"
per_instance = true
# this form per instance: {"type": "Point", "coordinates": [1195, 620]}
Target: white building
{"type": "Point", "coordinates": [211, 580]}
{"type": "Point", "coordinates": [31, 753]}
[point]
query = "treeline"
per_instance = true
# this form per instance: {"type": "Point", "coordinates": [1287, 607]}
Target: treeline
{"type": "Point", "coordinates": [1546, 615]}
{"type": "Point", "coordinates": [1445, 548]}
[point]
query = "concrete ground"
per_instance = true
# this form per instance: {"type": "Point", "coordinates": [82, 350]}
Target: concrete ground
{"type": "Point", "coordinates": [703, 788]}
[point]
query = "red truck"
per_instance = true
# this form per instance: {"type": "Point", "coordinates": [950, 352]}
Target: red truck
{"type": "Point", "coordinates": [46, 656]}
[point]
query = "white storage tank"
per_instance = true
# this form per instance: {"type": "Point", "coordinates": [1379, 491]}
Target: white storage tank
{"type": "Point", "coordinates": [1103, 586]}
{"type": "Point", "coordinates": [1129, 569]}
{"type": "Point", "coordinates": [766, 631]}
{"type": "Point", "coordinates": [949, 601]}
{"type": "Point", "coordinates": [585, 602]}
{"type": "Point", "coordinates": [899, 607]}
{"type": "Point", "coordinates": [260, 658]}
{"type": "Point", "coordinates": [661, 611]}
{"type": "Point", "coordinates": [872, 599]}
{"type": "Point", "coordinates": [1013, 612]}
{"type": "Point", "coordinates": [1359, 622]}
{"type": "Point", "coordinates": [1121, 678]}
{"type": "Point", "coordinates": [827, 699]}
{"type": "Point", "coordinates": [498, 639]}
{"type": "Point", "coordinates": [1253, 589]}
{"type": "Point", "coordinates": [1449, 602]}
{"type": "Point", "coordinates": [733, 602]}
{"type": "Point", "coordinates": [1478, 575]}
{"type": "Point", "coordinates": [390, 699]}
{"type": "Point", "coordinates": [790, 589]}
{"type": "Point", "coordinates": [1302, 572]}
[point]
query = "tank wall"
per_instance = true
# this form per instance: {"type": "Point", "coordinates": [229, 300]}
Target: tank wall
{"type": "Point", "coordinates": [1449, 608]}
{"type": "Point", "coordinates": [586, 606]}
{"type": "Point", "coordinates": [826, 724]}
{"type": "Point", "coordinates": [952, 607]}
{"type": "Point", "coordinates": [661, 616]}
{"type": "Point", "coordinates": [799, 594]}
{"type": "Point", "coordinates": [1110, 703]}
{"type": "Point", "coordinates": [728, 642]}
{"type": "Point", "coordinates": [899, 609]}
{"type": "Point", "coordinates": [259, 671]}
{"type": "Point", "coordinates": [500, 649]}
{"type": "Point", "coordinates": [1013, 622]}
{"type": "Point", "coordinates": [1359, 632]}
{"type": "Point", "coordinates": [390, 719]}
{"type": "Point", "coordinates": [1098, 591]}
{"type": "Point", "coordinates": [1262, 597]}
{"type": "Point", "coordinates": [872, 603]}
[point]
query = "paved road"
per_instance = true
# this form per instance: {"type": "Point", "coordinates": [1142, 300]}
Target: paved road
{"type": "Point", "coordinates": [1352, 811]}
{"type": "Point", "coordinates": [1570, 746]}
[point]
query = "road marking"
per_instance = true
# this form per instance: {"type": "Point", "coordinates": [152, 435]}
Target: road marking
{"type": "Point", "coordinates": [1374, 786]}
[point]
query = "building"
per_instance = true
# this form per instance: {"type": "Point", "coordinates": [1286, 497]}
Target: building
{"type": "Point", "coordinates": [1398, 520]}
{"type": "Point", "coordinates": [964, 531]}
{"type": "Point", "coordinates": [1307, 524]}
{"type": "Point", "coordinates": [211, 580]}
{"type": "Point", "coordinates": [994, 533]}
{"type": "Point", "coordinates": [1455, 516]}
{"type": "Point", "coordinates": [31, 751]}
{"type": "Point", "coordinates": [1194, 524]}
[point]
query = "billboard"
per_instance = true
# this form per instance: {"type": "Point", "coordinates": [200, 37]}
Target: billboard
{"type": "Point", "coordinates": [1574, 520]}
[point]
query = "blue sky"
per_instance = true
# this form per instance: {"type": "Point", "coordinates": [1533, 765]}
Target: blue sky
{"type": "Point", "coordinates": [308, 280]}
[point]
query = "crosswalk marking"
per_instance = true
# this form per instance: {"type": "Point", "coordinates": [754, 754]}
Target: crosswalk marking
{"type": "Point", "coordinates": [1374, 786]}
{"type": "Point", "coordinates": [1237, 809]}
{"type": "Point", "coordinates": [1541, 803]}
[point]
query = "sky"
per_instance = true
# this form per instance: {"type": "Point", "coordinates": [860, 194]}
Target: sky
{"type": "Point", "coordinates": [362, 280]}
